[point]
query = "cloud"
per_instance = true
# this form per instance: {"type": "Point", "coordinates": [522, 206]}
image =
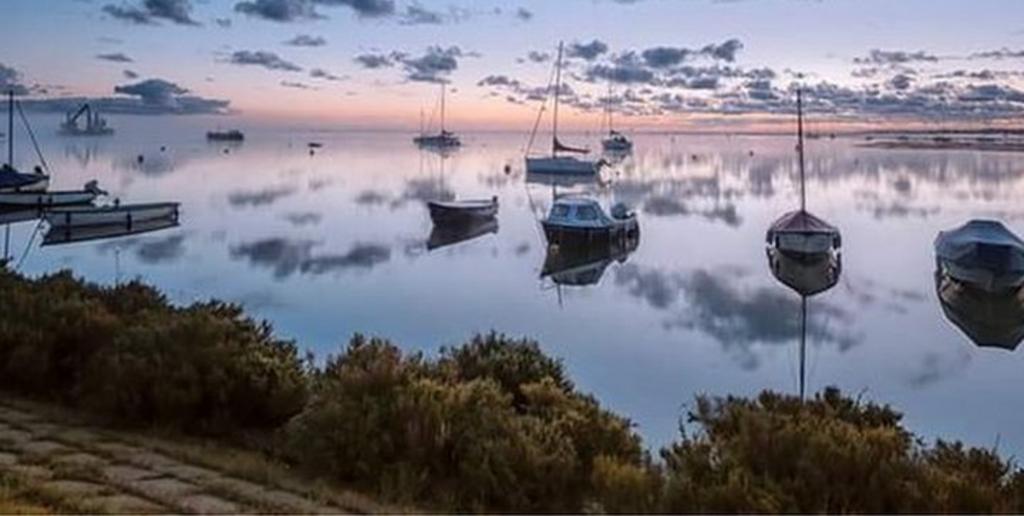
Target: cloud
{"type": "Point", "coordinates": [524, 14]}
{"type": "Point", "coordinates": [434, 65]}
{"type": "Point", "coordinates": [10, 80]}
{"type": "Point", "coordinates": [305, 40]}
{"type": "Point", "coordinates": [223, 23]}
{"type": "Point", "coordinates": [891, 57]}
{"type": "Point", "coordinates": [154, 92]}
{"type": "Point", "coordinates": [725, 51]}
{"type": "Point", "coordinates": [538, 57]}
{"type": "Point", "coordinates": [320, 73]}
{"type": "Point", "coordinates": [587, 51]}
{"type": "Point", "coordinates": [268, 60]}
{"type": "Point", "coordinates": [303, 218]}
{"type": "Point", "coordinates": [287, 257]}
{"type": "Point", "coordinates": [129, 74]}
{"type": "Point", "coordinates": [416, 14]}
{"type": "Point", "coordinates": [296, 10]}
{"type": "Point", "coordinates": [297, 85]}
{"type": "Point", "coordinates": [374, 61]}
{"type": "Point", "coordinates": [116, 57]}
{"type": "Point", "coordinates": [901, 82]}
{"type": "Point", "coordinates": [149, 12]}
{"type": "Point", "coordinates": [264, 197]}
{"type": "Point", "coordinates": [1003, 53]}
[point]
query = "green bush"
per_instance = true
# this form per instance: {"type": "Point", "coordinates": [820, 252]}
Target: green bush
{"type": "Point", "coordinates": [481, 428]}
{"type": "Point", "coordinates": [127, 353]}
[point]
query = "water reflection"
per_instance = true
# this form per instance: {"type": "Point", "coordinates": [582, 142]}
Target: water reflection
{"type": "Point", "coordinates": [73, 234]}
{"type": "Point", "coordinates": [580, 266]}
{"type": "Point", "coordinates": [989, 319]}
{"type": "Point", "coordinates": [443, 235]}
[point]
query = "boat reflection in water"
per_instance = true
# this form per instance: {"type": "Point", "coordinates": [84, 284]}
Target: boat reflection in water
{"type": "Point", "coordinates": [583, 265]}
{"type": "Point", "coordinates": [70, 234]}
{"type": "Point", "coordinates": [447, 234]}
{"type": "Point", "coordinates": [13, 215]}
{"type": "Point", "coordinates": [989, 319]}
{"type": "Point", "coordinates": [807, 275]}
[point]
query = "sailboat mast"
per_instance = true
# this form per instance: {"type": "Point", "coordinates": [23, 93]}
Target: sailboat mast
{"type": "Point", "coordinates": [10, 128]}
{"type": "Point", "coordinates": [558, 89]}
{"type": "Point", "coordinates": [608, 106]}
{"type": "Point", "coordinates": [800, 147]}
{"type": "Point", "coordinates": [442, 107]}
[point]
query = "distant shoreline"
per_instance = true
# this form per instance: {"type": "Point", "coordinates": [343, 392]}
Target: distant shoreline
{"type": "Point", "coordinates": [988, 146]}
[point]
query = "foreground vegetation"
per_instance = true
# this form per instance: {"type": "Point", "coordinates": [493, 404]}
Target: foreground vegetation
{"type": "Point", "coordinates": [491, 425]}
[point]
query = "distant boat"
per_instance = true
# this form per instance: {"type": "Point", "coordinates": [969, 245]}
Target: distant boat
{"type": "Point", "coordinates": [982, 253]}
{"type": "Point", "coordinates": [71, 234]}
{"type": "Point", "coordinates": [581, 220]}
{"type": "Point", "coordinates": [10, 179]}
{"type": "Point", "coordinates": [314, 145]}
{"type": "Point", "coordinates": [233, 135]}
{"type": "Point", "coordinates": [443, 235]}
{"type": "Point", "coordinates": [126, 215]}
{"type": "Point", "coordinates": [51, 198]}
{"type": "Point", "coordinates": [989, 319]}
{"type": "Point", "coordinates": [556, 164]}
{"type": "Point", "coordinates": [446, 212]}
{"type": "Point", "coordinates": [95, 125]}
{"type": "Point", "coordinates": [615, 142]}
{"type": "Point", "coordinates": [801, 233]}
{"type": "Point", "coordinates": [442, 140]}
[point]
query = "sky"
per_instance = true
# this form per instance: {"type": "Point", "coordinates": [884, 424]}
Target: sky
{"type": "Point", "coordinates": [658, 64]}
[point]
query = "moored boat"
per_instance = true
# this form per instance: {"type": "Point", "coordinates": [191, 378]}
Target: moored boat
{"type": "Point", "coordinates": [234, 135]}
{"type": "Point", "coordinates": [442, 212]}
{"type": "Point", "coordinates": [581, 220]}
{"type": "Point", "coordinates": [72, 234]}
{"type": "Point", "coordinates": [10, 179]}
{"type": "Point", "coordinates": [442, 140]}
{"type": "Point", "coordinates": [982, 253]}
{"type": "Point", "coordinates": [117, 214]}
{"type": "Point", "coordinates": [616, 142]}
{"type": "Point", "coordinates": [50, 198]}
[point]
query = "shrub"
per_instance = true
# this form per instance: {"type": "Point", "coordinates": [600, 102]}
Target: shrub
{"type": "Point", "coordinates": [482, 428]}
{"type": "Point", "coordinates": [127, 353]}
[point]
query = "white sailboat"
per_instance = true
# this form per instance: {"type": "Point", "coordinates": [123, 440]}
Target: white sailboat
{"type": "Point", "coordinates": [10, 179]}
{"type": "Point", "coordinates": [443, 140]}
{"type": "Point", "coordinates": [801, 233]}
{"type": "Point", "coordinates": [615, 142]}
{"type": "Point", "coordinates": [561, 164]}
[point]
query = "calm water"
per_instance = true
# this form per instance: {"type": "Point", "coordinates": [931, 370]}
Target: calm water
{"type": "Point", "coordinates": [336, 243]}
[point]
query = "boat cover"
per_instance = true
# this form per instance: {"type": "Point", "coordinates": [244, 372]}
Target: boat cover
{"type": "Point", "coordinates": [982, 244]}
{"type": "Point", "coordinates": [801, 221]}
{"type": "Point", "coordinates": [11, 178]}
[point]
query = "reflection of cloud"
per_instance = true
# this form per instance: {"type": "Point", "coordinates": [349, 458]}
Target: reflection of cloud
{"type": "Point", "coordinates": [262, 197]}
{"type": "Point", "coordinates": [150, 251]}
{"type": "Point", "coordinates": [370, 198]}
{"type": "Point", "coordinates": [739, 319]}
{"type": "Point", "coordinates": [935, 367]}
{"type": "Point", "coordinates": [303, 218]}
{"type": "Point", "coordinates": [424, 190]}
{"type": "Point", "coordinates": [286, 257]}
{"type": "Point", "coordinates": [662, 206]}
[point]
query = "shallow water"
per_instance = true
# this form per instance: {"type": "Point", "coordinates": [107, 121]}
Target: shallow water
{"type": "Point", "coordinates": [337, 242]}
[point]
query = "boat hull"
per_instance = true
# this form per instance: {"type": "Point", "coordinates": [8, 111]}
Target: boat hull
{"type": "Point", "coordinates": [437, 141]}
{"type": "Point", "coordinates": [125, 215]}
{"type": "Point", "coordinates": [70, 235]}
{"type": "Point", "coordinates": [571, 235]}
{"type": "Point", "coordinates": [617, 146]}
{"type": "Point", "coordinates": [27, 183]}
{"type": "Point", "coordinates": [46, 199]}
{"type": "Point", "coordinates": [561, 166]}
{"type": "Point", "coordinates": [452, 212]}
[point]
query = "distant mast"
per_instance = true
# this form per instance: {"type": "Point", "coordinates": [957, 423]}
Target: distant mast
{"type": "Point", "coordinates": [442, 106]}
{"type": "Point", "coordinates": [800, 147]}
{"type": "Point", "coordinates": [558, 89]}
{"type": "Point", "coordinates": [10, 128]}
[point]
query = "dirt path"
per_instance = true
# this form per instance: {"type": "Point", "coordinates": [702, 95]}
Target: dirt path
{"type": "Point", "coordinates": [78, 468]}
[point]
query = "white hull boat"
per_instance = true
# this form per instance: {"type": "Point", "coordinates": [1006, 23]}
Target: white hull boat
{"type": "Point", "coordinates": [562, 165]}
{"type": "Point", "coordinates": [983, 254]}
{"type": "Point", "coordinates": [616, 142]}
{"type": "Point", "coordinates": [443, 212]}
{"type": "Point", "coordinates": [125, 215]}
{"type": "Point", "coordinates": [47, 199]}
{"type": "Point", "coordinates": [442, 140]}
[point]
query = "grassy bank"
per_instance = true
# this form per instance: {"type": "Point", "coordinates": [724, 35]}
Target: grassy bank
{"type": "Point", "coordinates": [490, 425]}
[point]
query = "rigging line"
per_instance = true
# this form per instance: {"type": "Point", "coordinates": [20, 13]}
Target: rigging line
{"type": "Point", "coordinates": [540, 112]}
{"type": "Point", "coordinates": [28, 246]}
{"type": "Point", "coordinates": [32, 136]}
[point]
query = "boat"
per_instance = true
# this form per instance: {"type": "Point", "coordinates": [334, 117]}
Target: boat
{"type": "Point", "coordinates": [95, 125]}
{"type": "Point", "coordinates": [126, 215]}
{"type": "Point", "coordinates": [556, 164]}
{"type": "Point", "coordinates": [580, 266]}
{"type": "Point", "coordinates": [234, 135]}
{"type": "Point", "coordinates": [10, 179]}
{"type": "Point", "coordinates": [14, 215]}
{"type": "Point", "coordinates": [443, 235]}
{"type": "Point", "coordinates": [442, 140]}
{"type": "Point", "coordinates": [50, 198]}
{"type": "Point", "coordinates": [72, 234]}
{"type": "Point", "coordinates": [989, 319]}
{"type": "Point", "coordinates": [615, 142]}
{"type": "Point", "coordinates": [575, 220]}
{"type": "Point", "coordinates": [982, 253]}
{"type": "Point", "coordinates": [800, 233]}
{"type": "Point", "coordinates": [445, 212]}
